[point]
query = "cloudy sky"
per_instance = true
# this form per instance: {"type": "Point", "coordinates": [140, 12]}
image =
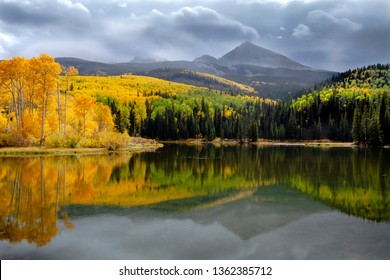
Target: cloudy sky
{"type": "Point", "coordinates": [328, 34]}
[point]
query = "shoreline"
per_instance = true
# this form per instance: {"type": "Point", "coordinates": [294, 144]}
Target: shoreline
{"type": "Point", "coordinates": [35, 151]}
{"type": "Point", "coordinates": [265, 142]}
{"type": "Point", "coordinates": [151, 147]}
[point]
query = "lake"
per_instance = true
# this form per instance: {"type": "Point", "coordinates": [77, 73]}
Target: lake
{"type": "Point", "coordinates": [198, 202]}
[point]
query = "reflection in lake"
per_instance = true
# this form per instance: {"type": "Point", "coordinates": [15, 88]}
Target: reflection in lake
{"type": "Point", "coordinates": [198, 202]}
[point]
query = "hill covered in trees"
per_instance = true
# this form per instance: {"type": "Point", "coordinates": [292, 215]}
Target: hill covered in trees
{"type": "Point", "coordinates": [38, 105]}
{"type": "Point", "coordinates": [350, 106]}
{"type": "Point", "coordinates": [354, 105]}
{"type": "Point", "coordinates": [41, 107]}
{"type": "Point", "coordinates": [200, 79]}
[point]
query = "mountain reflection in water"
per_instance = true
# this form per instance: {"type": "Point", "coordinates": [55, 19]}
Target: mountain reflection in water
{"type": "Point", "coordinates": [248, 191]}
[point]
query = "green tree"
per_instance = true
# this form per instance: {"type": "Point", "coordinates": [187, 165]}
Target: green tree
{"type": "Point", "coordinates": [356, 126]}
{"type": "Point", "coordinates": [121, 119]}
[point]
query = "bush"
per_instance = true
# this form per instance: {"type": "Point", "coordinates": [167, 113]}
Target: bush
{"type": "Point", "coordinates": [13, 139]}
{"type": "Point", "coordinates": [110, 140]}
{"type": "Point", "coordinates": [113, 140]}
{"type": "Point", "coordinates": [72, 141]}
{"type": "Point", "coordinates": [57, 141]}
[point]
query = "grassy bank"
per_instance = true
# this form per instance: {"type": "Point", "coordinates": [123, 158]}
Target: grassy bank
{"type": "Point", "coordinates": [85, 146]}
{"type": "Point", "coordinates": [11, 151]}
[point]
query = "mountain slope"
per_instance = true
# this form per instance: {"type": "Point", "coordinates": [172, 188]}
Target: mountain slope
{"type": "Point", "coordinates": [206, 59]}
{"type": "Point", "coordinates": [200, 80]}
{"type": "Point", "coordinates": [271, 74]}
{"type": "Point", "coordinates": [354, 105]}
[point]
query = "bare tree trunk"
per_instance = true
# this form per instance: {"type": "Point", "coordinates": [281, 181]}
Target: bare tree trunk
{"type": "Point", "coordinates": [58, 190]}
{"type": "Point", "coordinates": [59, 107]}
{"type": "Point", "coordinates": [15, 104]}
{"type": "Point", "coordinates": [21, 105]}
{"type": "Point", "coordinates": [9, 117]}
{"type": "Point", "coordinates": [65, 107]}
{"type": "Point", "coordinates": [43, 119]}
{"type": "Point", "coordinates": [85, 121]}
{"type": "Point", "coordinates": [43, 202]}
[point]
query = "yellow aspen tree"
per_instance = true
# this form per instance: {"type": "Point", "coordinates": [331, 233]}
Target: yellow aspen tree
{"type": "Point", "coordinates": [69, 73]}
{"type": "Point", "coordinates": [3, 122]}
{"type": "Point", "coordinates": [48, 71]}
{"type": "Point", "coordinates": [59, 105]}
{"type": "Point", "coordinates": [83, 104]}
{"type": "Point", "coordinates": [32, 78]}
{"type": "Point", "coordinates": [13, 79]}
{"type": "Point", "coordinates": [103, 117]}
{"type": "Point", "coordinates": [5, 103]}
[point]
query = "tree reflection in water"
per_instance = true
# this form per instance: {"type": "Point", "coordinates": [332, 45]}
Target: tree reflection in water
{"type": "Point", "coordinates": [36, 191]}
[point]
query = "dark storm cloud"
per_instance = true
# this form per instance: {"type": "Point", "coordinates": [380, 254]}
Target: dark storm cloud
{"type": "Point", "coordinates": [196, 27]}
{"type": "Point", "coordinates": [329, 34]}
{"type": "Point", "coordinates": [208, 24]}
{"type": "Point", "coordinates": [12, 13]}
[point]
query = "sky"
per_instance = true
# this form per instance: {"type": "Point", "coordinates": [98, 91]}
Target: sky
{"type": "Point", "coordinates": [325, 34]}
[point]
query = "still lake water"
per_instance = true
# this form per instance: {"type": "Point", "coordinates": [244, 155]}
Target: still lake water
{"type": "Point", "coordinates": [200, 202]}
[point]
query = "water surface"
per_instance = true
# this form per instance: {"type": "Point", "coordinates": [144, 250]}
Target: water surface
{"type": "Point", "coordinates": [200, 202]}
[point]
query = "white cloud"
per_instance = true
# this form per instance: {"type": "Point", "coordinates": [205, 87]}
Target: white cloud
{"type": "Point", "coordinates": [7, 42]}
{"type": "Point", "coordinates": [2, 50]}
{"type": "Point", "coordinates": [301, 31]}
{"type": "Point", "coordinates": [281, 2]}
{"type": "Point", "coordinates": [320, 16]}
{"type": "Point", "coordinates": [7, 38]}
{"type": "Point", "coordinates": [121, 3]}
{"type": "Point", "coordinates": [78, 6]}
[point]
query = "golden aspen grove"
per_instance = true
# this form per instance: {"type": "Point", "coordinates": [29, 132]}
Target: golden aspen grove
{"type": "Point", "coordinates": [37, 109]}
{"type": "Point", "coordinates": [39, 106]}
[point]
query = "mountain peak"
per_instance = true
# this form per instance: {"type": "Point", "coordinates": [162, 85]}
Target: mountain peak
{"type": "Point", "coordinates": [250, 54]}
{"type": "Point", "coordinates": [144, 60]}
{"type": "Point", "coordinates": [206, 59]}
{"type": "Point", "coordinates": [248, 44]}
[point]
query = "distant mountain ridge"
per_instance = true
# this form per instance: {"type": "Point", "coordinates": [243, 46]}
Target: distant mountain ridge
{"type": "Point", "coordinates": [206, 59]}
{"type": "Point", "coordinates": [250, 54]}
{"type": "Point", "coordinates": [271, 74]}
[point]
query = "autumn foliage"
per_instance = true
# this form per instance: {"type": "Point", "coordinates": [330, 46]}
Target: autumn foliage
{"type": "Point", "coordinates": [36, 106]}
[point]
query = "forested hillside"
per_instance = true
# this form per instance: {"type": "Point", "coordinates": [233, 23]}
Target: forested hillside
{"type": "Point", "coordinates": [44, 104]}
{"type": "Point", "coordinates": [200, 80]}
{"type": "Point", "coordinates": [354, 105]}
{"type": "Point", "coordinates": [351, 106]}
{"type": "Point", "coordinates": [40, 106]}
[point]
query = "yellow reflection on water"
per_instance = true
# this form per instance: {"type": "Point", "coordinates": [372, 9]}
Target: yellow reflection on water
{"type": "Point", "coordinates": [36, 191]}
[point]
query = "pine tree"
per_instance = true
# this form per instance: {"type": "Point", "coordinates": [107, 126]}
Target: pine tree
{"type": "Point", "coordinates": [356, 126]}
{"type": "Point", "coordinates": [364, 126]}
{"type": "Point", "coordinates": [254, 133]}
{"type": "Point", "coordinates": [386, 127]}
{"type": "Point", "coordinates": [373, 137]}
{"type": "Point", "coordinates": [344, 128]}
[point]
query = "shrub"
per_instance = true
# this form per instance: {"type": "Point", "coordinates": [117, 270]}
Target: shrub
{"type": "Point", "coordinates": [13, 139]}
{"type": "Point", "coordinates": [113, 140]}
